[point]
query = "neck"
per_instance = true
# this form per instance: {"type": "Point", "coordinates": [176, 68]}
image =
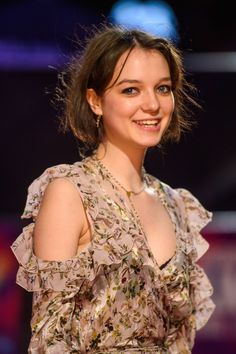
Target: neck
{"type": "Point", "coordinates": [125, 166]}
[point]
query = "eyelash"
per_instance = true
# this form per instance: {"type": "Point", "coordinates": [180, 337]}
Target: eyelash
{"type": "Point", "coordinates": [167, 88]}
{"type": "Point", "coordinates": [128, 90]}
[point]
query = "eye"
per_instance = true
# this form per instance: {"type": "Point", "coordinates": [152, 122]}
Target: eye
{"type": "Point", "coordinates": [130, 90]}
{"type": "Point", "coordinates": [164, 89]}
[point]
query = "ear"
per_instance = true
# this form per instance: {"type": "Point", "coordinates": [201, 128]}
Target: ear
{"type": "Point", "coordinates": [94, 101]}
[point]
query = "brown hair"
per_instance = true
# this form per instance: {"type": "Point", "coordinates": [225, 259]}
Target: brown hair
{"type": "Point", "coordinates": [94, 69]}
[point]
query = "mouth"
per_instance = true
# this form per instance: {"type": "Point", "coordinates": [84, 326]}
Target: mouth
{"type": "Point", "coordinates": [148, 122]}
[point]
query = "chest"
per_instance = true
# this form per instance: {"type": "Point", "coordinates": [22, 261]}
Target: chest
{"type": "Point", "coordinates": [157, 225]}
{"type": "Point", "coordinates": [109, 210]}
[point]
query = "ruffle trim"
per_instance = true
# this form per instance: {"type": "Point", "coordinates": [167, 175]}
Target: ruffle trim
{"type": "Point", "coordinates": [35, 274]}
{"type": "Point", "coordinates": [202, 292]}
{"type": "Point", "coordinates": [195, 217]}
{"type": "Point", "coordinates": [38, 186]}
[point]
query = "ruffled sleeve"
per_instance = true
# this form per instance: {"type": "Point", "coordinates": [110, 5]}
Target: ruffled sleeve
{"type": "Point", "coordinates": [54, 283]}
{"type": "Point", "coordinates": [35, 274]}
{"type": "Point", "coordinates": [37, 188]}
{"type": "Point", "coordinates": [196, 217]}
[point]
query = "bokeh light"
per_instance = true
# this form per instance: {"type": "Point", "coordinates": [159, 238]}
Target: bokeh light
{"type": "Point", "coordinates": [156, 17]}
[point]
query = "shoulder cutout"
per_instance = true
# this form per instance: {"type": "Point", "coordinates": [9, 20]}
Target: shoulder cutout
{"type": "Point", "coordinates": [59, 222]}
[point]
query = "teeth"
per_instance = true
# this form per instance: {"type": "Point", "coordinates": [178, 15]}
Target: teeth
{"type": "Point", "coordinates": [147, 122]}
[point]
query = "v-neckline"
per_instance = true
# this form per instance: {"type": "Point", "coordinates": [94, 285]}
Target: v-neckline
{"type": "Point", "coordinates": [162, 197]}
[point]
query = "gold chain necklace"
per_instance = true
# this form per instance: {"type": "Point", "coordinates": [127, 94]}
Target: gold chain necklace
{"type": "Point", "coordinates": [128, 192]}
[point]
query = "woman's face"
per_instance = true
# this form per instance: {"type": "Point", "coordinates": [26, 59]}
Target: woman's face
{"type": "Point", "coordinates": [137, 109]}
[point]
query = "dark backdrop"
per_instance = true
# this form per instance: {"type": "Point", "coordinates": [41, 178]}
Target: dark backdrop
{"type": "Point", "coordinates": [204, 160]}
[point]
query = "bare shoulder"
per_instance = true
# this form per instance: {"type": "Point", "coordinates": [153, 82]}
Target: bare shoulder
{"type": "Point", "coordinates": [62, 190]}
{"type": "Point", "coordinates": [60, 221]}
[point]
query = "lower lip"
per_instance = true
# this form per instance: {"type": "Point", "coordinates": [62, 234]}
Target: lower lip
{"type": "Point", "coordinates": [150, 128]}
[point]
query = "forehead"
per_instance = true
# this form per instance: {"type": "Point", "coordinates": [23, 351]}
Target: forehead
{"type": "Point", "coordinates": [140, 61]}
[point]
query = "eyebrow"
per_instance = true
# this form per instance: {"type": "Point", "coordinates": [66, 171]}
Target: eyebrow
{"type": "Point", "coordinates": [130, 81]}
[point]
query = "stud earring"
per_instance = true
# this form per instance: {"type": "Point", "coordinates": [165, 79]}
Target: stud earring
{"type": "Point", "coordinates": [98, 121]}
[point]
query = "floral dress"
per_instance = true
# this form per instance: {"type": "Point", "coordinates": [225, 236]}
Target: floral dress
{"type": "Point", "coordinates": [113, 297]}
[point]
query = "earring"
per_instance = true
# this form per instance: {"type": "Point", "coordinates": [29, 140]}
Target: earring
{"type": "Point", "coordinates": [98, 121]}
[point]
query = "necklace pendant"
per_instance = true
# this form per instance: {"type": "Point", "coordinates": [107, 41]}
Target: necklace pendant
{"type": "Point", "coordinates": [128, 194]}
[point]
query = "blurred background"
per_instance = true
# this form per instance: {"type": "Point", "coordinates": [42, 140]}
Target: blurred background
{"type": "Point", "coordinates": [37, 38]}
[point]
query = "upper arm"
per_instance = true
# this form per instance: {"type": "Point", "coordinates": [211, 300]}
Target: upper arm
{"type": "Point", "coordinates": [60, 222]}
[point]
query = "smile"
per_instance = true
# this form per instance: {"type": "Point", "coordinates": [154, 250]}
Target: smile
{"type": "Point", "coordinates": [148, 123]}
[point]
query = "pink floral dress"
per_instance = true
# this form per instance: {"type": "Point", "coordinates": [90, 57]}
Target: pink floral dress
{"type": "Point", "coordinates": [113, 297]}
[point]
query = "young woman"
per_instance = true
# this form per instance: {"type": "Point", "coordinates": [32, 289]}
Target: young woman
{"type": "Point", "coordinates": [111, 252]}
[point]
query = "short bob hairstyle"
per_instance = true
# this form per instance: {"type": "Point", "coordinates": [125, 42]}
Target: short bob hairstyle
{"type": "Point", "coordinates": [94, 69]}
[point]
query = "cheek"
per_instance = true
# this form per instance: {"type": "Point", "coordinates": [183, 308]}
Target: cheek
{"type": "Point", "coordinates": [118, 108]}
{"type": "Point", "coordinates": [109, 107]}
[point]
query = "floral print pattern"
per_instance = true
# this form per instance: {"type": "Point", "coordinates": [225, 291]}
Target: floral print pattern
{"type": "Point", "coordinates": [113, 297]}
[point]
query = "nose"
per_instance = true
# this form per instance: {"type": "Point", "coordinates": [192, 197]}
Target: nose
{"type": "Point", "coordinates": [150, 102]}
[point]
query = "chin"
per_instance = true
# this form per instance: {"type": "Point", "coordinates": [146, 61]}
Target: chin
{"type": "Point", "coordinates": [152, 143]}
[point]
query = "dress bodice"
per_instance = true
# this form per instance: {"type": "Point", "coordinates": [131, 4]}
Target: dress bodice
{"type": "Point", "coordinates": [113, 297]}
